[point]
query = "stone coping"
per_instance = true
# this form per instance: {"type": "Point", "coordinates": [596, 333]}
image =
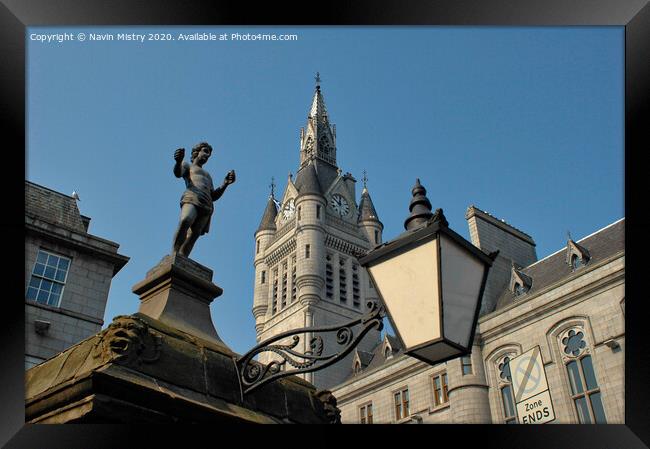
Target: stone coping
{"type": "Point", "coordinates": [139, 363]}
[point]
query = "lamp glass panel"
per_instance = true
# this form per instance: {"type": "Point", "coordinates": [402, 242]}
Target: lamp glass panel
{"type": "Point", "coordinates": [408, 283]}
{"type": "Point", "coordinates": [462, 275]}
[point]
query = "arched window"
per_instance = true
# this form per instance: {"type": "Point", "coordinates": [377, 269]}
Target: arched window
{"type": "Point", "coordinates": [519, 289]}
{"type": "Point", "coordinates": [584, 389]}
{"type": "Point", "coordinates": [505, 389]}
{"type": "Point", "coordinates": [576, 262]}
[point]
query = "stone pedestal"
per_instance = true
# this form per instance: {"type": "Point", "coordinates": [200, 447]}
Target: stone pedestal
{"type": "Point", "coordinates": [178, 292]}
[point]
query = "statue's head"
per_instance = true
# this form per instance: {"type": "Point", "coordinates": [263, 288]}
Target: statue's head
{"type": "Point", "coordinates": [197, 148]}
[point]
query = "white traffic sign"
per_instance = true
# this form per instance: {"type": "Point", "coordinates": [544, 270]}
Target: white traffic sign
{"type": "Point", "coordinates": [528, 375]}
{"type": "Point", "coordinates": [536, 410]}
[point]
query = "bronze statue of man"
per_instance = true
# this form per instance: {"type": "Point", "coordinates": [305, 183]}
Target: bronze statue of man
{"type": "Point", "coordinates": [196, 202]}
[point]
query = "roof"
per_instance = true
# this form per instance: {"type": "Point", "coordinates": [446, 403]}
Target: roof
{"type": "Point", "coordinates": [318, 109]}
{"type": "Point", "coordinates": [307, 180]}
{"type": "Point", "coordinates": [366, 208]}
{"type": "Point", "coordinates": [54, 207]}
{"type": "Point", "coordinates": [375, 358]}
{"type": "Point", "coordinates": [554, 268]}
{"type": "Point", "coordinates": [365, 357]}
{"type": "Point", "coordinates": [268, 219]}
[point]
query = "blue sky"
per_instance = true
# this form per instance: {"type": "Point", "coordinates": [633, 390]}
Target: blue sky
{"type": "Point", "coordinates": [525, 123]}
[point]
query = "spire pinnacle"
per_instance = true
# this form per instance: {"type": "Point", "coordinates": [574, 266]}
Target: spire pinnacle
{"type": "Point", "coordinates": [365, 180]}
{"type": "Point", "coordinates": [317, 78]}
{"type": "Point", "coordinates": [272, 186]}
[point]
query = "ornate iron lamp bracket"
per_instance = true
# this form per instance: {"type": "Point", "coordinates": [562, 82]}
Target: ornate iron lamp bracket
{"type": "Point", "coordinates": [253, 374]}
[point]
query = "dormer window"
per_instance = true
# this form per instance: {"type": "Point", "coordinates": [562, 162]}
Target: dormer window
{"type": "Point", "coordinates": [357, 368]}
{"type": "Point", "coordinates": [577, 256]}
{"type": "Point", "coordinates": [520, 283]}
{"type": "Point", "coordinates": [387, 353]}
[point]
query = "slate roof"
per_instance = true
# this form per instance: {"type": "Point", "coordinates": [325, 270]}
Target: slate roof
{"type": "Point", "coordinates": [366, 208]}
{"type": "Point", "coordinates": [554, 268]}
{"type": "Point", "coordinates": [307, 180]}
{"type": "Point", "coordinates": [268, 219]}
{"type": "Point", "coordinates": [365, 357]}
{"type": "Point", "coordinates": [54, 207]}
{"type": "Point", "coordinates": [375, 359]}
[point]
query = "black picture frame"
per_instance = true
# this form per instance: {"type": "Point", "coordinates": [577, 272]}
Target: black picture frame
{"type": "Point", "coordinates": [634, 15]}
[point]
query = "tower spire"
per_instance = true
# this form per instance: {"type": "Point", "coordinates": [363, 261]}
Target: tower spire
{"type": "Point", "coordinates": [317, 141]}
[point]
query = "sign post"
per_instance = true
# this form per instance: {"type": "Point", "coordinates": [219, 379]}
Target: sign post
{"type": "Point", "coordinates": [530, 388]}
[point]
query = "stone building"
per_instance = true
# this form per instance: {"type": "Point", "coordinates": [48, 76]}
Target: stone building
{"type": "Point", "coordinates": [306, 270]}
{"type": "Point", "coordinates": [68, 274]}
{"type": "Point", "coordinates": [571, 304]}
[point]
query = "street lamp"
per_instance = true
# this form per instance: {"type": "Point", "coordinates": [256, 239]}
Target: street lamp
{"type": "Point", "coordinates": [431, 281]}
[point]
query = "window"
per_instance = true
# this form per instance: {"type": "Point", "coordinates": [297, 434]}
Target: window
{"type": "Point", "coordinates": [440, 389]}
{"type": "Point", "coordinates": [576, 262]}
{"type": "Point", "coordinates": [284, 285]}
{"type": "Point", "coordinates": [48, 278]}
{"type": "Point", "coordinates": [274, 307]}
{"type": "Point", "coordinates": [508, 405]}
{"type": "Point", "coordinates": [376, 236]}
{"type": "Point", "coordinates": [343, 286]}
{"type": "Point", "coordinates": [401, 404]}
{"type": "Point", "coordinates": [356, 297]}
{"type": "Point", "coordinates": [307, 251]}
{"type": "Point", "coordinates": [365, 414]}
{"type": "Point", "coordinates": [466, 364]}
{"type": "Point", "coordinates": [263, 277]}
{"type": "Point", "coordinates": [387, 352]}
{"type": "Point", "coordinates": [329, 279]}
{"type": "Point", "coordinates": [585, 392]}
{"type": "Point", "coordinates": [507, 399]}
{"type": "Point", "coordinates": [317, 211]}
{"type": "Point", "coordinates": [294, 287]}
{"type": "Point", "coordinates": [257, 249]}
{"type": "Point", "coordinates": [299, 213]}
{"type": "Point", "coordinates": [519, 289]}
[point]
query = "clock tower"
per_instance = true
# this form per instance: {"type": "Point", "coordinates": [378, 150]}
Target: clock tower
{"type": "Point", "coordinates": [306, 248]}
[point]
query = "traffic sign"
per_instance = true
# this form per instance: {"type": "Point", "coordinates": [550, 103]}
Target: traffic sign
{"type": "Point", "coordinates": [536, 410]}
{"type": "Point", "coordinates": [530, 388]}
{"type": "Point", "coordinates": [528, 375]}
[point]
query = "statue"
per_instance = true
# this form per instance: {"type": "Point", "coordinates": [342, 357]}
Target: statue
{"type": "Point", "coordinates": [196, 202]}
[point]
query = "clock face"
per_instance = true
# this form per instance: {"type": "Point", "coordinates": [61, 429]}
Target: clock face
{"type": "Point", "coordinates": [340, 205]}
{"type": "Point", "coordinates": [288, 209]}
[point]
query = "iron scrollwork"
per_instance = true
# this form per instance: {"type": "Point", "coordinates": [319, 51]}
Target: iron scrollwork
{"type": "Point", "coordinates": [253, 374]}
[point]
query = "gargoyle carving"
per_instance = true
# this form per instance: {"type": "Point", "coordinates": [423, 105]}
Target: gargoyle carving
{"type": "Point", "coordinates": [330, 406]}
{"type": "Point", "coordinates": [127, 340]}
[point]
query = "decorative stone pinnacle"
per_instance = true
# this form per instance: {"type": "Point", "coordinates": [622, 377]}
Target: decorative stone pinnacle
{"type": "Point", "coordinates": [317, 78]}
{"type": "Point", "coordinates": [420, 208]}
{"type": "Point", "coordinates": [365, 179]}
